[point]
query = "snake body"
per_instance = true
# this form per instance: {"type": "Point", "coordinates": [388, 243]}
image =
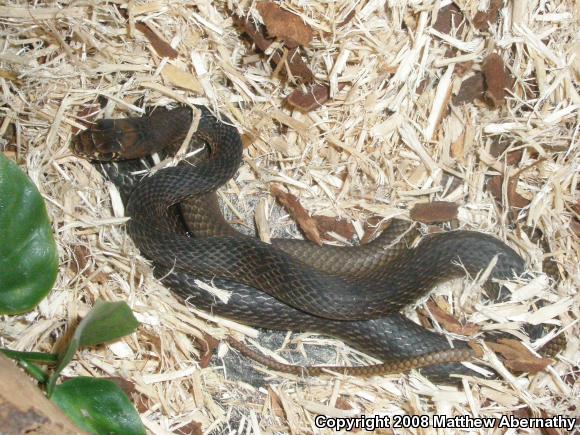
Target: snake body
{"type": "Point", "coordinates": [286, 286]}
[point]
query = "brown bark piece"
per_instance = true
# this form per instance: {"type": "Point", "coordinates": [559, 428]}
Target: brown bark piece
{"type": "Point", "coordinates": [550, 430]}
{"type": "Point", "coordinates": [161, 47]}
{"type": "Point", "coordinates": [342, 403]}
{"type": "Point", "coordinates": [23, 407]}
{"type": "Point", "coordinates": [127, 386]}
{"type": "Point", "coordinates": [327, 224]}
{"type": "Point", "coordinates": [285, 25]}
{"type": "Point", "coordinates": [450, 323]}
{"type": "Point", "coordinates": [81, 256]}
{"type": "Point", "coordinates": [256, 35]}
{"type": "Point", "coordinates": [296, 65]}
{"type": "Point", "coordinates": [314, 98]}
{"type": "Point", "coordinates": [517, 357]}
{"type": "Point", "coordinates": [422, 86]}
{"type": "Point", "coordinates": [306, 223]}
{"type": "Point", "coordinates": [526, 413]}
{"type": "Point", "coordinates": [209, 345]}
{"type": "Point", "coordinates": [494, 186]}
{"type": "Point", "coordinates": [448, 18]}
{"type": "Point", "coordinates": [192, 428]}
{"type": "Point", "coordinates": [294, 61]}
{"type": "Point", "coordinates": [471, 89]}
{"type": "Point", "coordinates": [347, 19]}
{"type": "Point", "coordinates": [463, 68]}
{"type": "Point", "coordinates": [512, 158]}
{"type": "Point", "coordinates": [496, 79]}
{"type": "Point", "coordinates": [483, 19]}
{"type": "Point", "coordinates": [142, 403]}
{"type": "Point", "coordinates": [434, 212]}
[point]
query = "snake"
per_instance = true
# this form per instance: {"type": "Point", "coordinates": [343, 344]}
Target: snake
{"type": "Point", "coordinates": [355, 294]}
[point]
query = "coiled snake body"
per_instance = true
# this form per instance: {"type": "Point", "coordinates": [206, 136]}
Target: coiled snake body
{"type": "Point", "coordinates": [284, 286]}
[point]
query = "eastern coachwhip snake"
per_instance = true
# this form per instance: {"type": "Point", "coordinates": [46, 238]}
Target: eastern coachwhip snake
{"type": "Point", "coordinates": [357, 301]}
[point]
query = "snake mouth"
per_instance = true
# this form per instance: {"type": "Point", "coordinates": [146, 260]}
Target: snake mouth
{"type": "Point", "coordinates": [83, 145]}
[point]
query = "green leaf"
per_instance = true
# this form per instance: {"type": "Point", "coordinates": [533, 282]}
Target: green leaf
{"type": "Point", "coordinates": [28, 255]}
{"type": "Point", "coordinates": [97, 406]}
{"type": "Point", "coordinates": [107, 321]}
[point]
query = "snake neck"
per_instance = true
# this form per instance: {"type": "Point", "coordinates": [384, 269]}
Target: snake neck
{"type": "Point", "coordinates": [153, 195]}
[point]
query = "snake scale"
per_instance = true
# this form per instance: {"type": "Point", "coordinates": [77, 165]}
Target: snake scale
{"type": "Point", "coordinates": [354, 294]}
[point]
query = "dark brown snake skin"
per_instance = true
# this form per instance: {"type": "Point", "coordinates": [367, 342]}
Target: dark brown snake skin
{"type": "Point", "coordinates": [354, 294]}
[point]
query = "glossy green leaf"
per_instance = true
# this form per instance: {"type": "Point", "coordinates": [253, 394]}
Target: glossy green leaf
{"type": "Point", "coordinates": [107, 321]}
{"type": "Point", "coordinates": [98, 406]}
{"type": "Point", "coordinates": [28, 255]}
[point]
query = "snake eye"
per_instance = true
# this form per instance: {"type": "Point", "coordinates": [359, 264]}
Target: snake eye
{"type": "Point", "coordinates": [82, 145]}
{"type": "Point", "coordinates": [98, 143]}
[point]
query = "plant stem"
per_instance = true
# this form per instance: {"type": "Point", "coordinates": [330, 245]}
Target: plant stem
{"type": "Point", "coordinates": [34, 371]}
{"type": "Point", "coordinates": [39, 357]}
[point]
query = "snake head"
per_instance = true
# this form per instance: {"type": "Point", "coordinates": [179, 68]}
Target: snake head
{"type": "Point", "coordinates": [103, 142]}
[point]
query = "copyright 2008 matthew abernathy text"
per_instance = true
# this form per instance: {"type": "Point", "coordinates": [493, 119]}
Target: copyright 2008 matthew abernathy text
{"type": "Point", "coordinates": [441, 421]}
